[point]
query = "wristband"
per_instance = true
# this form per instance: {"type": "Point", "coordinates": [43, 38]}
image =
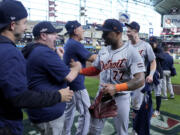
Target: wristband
{"type": "Point", "coordinates": [121, 87]}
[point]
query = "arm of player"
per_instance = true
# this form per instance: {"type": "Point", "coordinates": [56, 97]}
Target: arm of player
{"type": "Point", "coordinates": [92, 58]}
{"type": "Point", "coordinates": [149, 78]}
{"type": "Point", "coordinates": [75, 69]}
{"type": "Point", "coordinates": [90, 71]}
{"type": "Point", "coordinates": [33, 99]}
{"type": "Point", "coordinates": [152, 59]}
{"type": "Point", "coordinates": [137, 82]}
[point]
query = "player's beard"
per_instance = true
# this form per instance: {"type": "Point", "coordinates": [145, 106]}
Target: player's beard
{"type": "Point", "coordinates": [107, 41]}
{"type": "Point", "coordinates": [114, 45]}
{"type": "Point", "coordinates": [111, 42]}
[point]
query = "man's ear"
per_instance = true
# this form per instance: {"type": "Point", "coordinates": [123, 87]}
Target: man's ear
{"type": "Point", "coordinates": [43, 36]}
{"type": "Point", "coordinates": [12, 26]}
{"type": "Point", "coordinates": [74, 31]}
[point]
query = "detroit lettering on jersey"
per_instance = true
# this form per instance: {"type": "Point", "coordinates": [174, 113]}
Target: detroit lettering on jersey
{"type": "Point", "coordinates": [110, 64]}
{"type": "Point", "coordinates": [118, 65]}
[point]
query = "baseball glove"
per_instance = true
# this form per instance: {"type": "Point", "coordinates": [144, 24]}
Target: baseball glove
{"type": "Point", "coordinates": [104, 106]}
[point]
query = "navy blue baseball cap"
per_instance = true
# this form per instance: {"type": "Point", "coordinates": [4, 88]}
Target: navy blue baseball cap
{"type": "Point", "coordinates": [71, 26]}
{"type": "Point", "coordinates": [111, 25]}
{"type": "Point", "coordinates": [153, 39]}
{"type": "Point", "coordinates": [11, 10]}
{"type": "Point", "coordinates": [133, 25]}
{"type": "Point", "coordinates": [44, 27]}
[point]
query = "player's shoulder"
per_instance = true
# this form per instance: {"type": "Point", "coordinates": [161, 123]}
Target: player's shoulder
{"type": "Point", "coordinates": [73, 46]}
{"type": "Point", "coordinates": [11, 50]}
{"type": "Point", "coordinates": [129, 47]}
{"type": "Point", "coordinates": [145, 43]}
{"type": "Point", "coordinates": [71, 42]}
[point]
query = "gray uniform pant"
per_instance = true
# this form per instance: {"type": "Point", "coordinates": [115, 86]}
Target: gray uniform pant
{"type": "Point", "coordinates": [167, 83]}
{"type": "Point", "coordinates": [81, 103]}
{"type": "Point", "coordinates": [120, 121]}
{"type": "Point", "coordinates": [54, 127]}
{"type": "Point", "coordinates": [157, 88]}
{"type": "Point", "coordinates": [137, 98]}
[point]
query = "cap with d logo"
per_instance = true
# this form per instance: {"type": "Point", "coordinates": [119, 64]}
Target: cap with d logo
{"type": "Point", "coordinates": [11, 10]}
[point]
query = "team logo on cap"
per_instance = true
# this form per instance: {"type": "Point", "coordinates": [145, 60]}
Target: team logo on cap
{"type": "Point", "coordinates": [13, 18]}
{"type": "Point", "coordinates": [44, 30]}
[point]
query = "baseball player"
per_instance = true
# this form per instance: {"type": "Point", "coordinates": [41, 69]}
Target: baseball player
{"type": "Point", "coordinates": [148, 56]}
{"type": "Point", "coordinates": [167, 67]}
{"type": "Point", "coordinates": [80, 101]}
{"type": "Point", "coordinates": [121, 70]}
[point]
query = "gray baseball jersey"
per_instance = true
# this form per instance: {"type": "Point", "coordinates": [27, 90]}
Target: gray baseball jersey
{"type": "Point", "coordinates": [147, 55]}
{"type": "Point", "coordinates": [117, 66]}
{"type": "Point", "coordinates": [145, 51]}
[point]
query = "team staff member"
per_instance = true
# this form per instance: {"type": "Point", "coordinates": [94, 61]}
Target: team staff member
{"type": "Point", "coordinates": [46, 71]}
{"type": "Point", "coordinates": [148, 56]}
{"type": "Point", "coordinates": [159, 60]}
{"type": "Point", "coordinates": [122, 70]}
{"type": "Point", "coordinates": [80, 101]}
{"type": "Point", "coordinates": [167, 66]}
{"type": "Point", "coordinates": [13, 84]}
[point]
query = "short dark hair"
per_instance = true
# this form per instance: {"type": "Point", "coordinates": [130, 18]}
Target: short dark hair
{"type": "Point", "coordinates": [166, 48]}
{"type": "Point", "coordinates": [37, 38]}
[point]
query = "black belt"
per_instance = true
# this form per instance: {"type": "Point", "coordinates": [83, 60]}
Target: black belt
{"type": "Point", "coordinates": [120, 94]}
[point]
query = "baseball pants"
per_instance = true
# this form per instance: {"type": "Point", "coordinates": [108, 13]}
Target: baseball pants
{"type": "Point", "coordinates": [166, 83]}
{"type": "Point", "coordinates": [81, 103]}
{"type": "Point", "coordinates": [157, 88]}
{"type": "Point", "coordinates": [54, 127]}
{"type": "Point", "coordinates": [137, 98]}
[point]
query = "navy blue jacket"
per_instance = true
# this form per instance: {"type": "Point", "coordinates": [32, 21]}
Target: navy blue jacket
{"type": "Point", "coordinates": [13, 88]}
{"type": "Point", "coordinates": [75, 50]}
{"type": "Point", "coordinates": [168, 62]}
{"type": "Point", "coordinates": [45, 72]}
{"type": "Point", "coordinates": [143, 117]}
{"type": "Point", "coordinates": [159, 60]}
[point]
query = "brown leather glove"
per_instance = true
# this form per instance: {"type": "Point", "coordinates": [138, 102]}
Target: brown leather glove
{"type": "Point", "coordinates": [104, 106]}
